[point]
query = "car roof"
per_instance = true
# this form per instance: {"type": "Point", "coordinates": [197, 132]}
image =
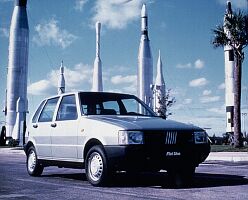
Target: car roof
{"type": "Point", "coordinates": [85, 92]}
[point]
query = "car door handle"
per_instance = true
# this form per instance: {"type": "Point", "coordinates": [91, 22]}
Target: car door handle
{"type": "Point", "coordinates": [35, 125]}
{"type": "Point", "coordinates": [53, 125]}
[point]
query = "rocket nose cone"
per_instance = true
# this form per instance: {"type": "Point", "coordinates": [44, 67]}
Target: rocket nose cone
{"type": "Point", "coordinates": [98, 25]}
{"type": "Point", "coordinates": [143, 11]}
{"type": "Point", "coordinates": [229, 7]}
{"type": "Point", "coordinates": [61, 70]}
{"type": "Point", "coordinates": [21, 3]}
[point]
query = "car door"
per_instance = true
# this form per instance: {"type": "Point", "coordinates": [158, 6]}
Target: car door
{"type": "Point", "coordinates": [64, 131]}
{"type": "Point", "coordinates": [41, 128]}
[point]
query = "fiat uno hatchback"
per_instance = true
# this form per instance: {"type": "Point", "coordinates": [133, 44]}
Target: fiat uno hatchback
{"type": "Point", "coordinates": [106, 133]}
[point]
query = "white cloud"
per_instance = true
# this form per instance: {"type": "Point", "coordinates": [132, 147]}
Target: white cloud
{"type": "Point", "coordinates": [75, 79]}
{"type": "Point", "coordinates": [198, 82]}
{"type": "Point", "coordinates": [206, 92]}
{"type": "Point", "coordinates": [4, 32]}
{"type": "Point", "coordinates": [184, 66]}
{"type": "Point", "coordinates": [199, 64]}
{"type": "Point", "coordinates": [235, 3]}
{"type": "Point", "coordinates": [177, 106]}
{"type": "Point", "coordinates": [49, 33]}
{"type": "Point", "coordinates": [42, 87]}
{"type": "Point", "coordinates": [117, 68]}
{"type": "Point", "coordinates": [183, 105]}
{"type": "Point", "coordinates": [116, 14]}
{"type": "Point", "coordinates": [79, 4]}
{"type": "Point", "coordinates": [209, 99]}
{"type": "Point", "coordinates": [219, 110]}
{"type": "Point", "coordinates": [126, 84]}
{"type": "Point", "coordinates": [119, 79]}
{"type": "Point", "coordinates": [222, 86]}
{"type": "Point", "coordinates": [132, 89]}
{"type": "Point", "coordinates": [179, 92]}
{"type": "Point", "coordinates": [187, 101]}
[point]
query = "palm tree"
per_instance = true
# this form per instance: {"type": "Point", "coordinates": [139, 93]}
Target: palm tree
{"type": "Point", "coordinates": [234, 33]}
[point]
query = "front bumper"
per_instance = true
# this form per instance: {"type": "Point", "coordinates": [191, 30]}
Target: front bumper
{"type": "Point", "coordinates": [145, 157]}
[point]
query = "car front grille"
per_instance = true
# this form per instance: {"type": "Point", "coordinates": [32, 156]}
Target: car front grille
{"type": "Point", "coordinates": [154, 137]}
{"type": "Point", "coordinates": [168, 137]}
{"type": "Point", "coordinates": [171, 137]}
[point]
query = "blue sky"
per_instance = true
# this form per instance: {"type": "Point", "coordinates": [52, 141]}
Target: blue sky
{"type": "Point", "coordinates": [64, 30]}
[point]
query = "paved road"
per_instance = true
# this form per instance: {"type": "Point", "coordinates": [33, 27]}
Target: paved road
{"type": "Point", "coordinates": [214, 180]}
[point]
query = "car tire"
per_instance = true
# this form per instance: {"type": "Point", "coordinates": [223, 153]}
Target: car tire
{"type": "Point", "coordinates": [96, 166]}
{"type": "Point", "coordinates": [34, 168]}
{"type": "Point", "coordinates": [181, 177]}
{"type": "Point", "coordinates": [3, 136]}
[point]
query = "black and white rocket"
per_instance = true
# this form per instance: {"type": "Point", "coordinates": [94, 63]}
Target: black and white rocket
{"type": "Point", "coordinates": [17, 105]}
{"type": "Point", "coordinates": [97, 71]}
{"type": "Point", "coordinates": [145, 66]}
{"type": "Point", "coordinates": [229, 76]}
{"type": "Point", "coordinates": [61, 81]}
{"type": "Point", "coordinates": [159, 86]}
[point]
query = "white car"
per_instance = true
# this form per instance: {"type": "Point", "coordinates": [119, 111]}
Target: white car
{"type": "Point", "coordinates": [109, 132]}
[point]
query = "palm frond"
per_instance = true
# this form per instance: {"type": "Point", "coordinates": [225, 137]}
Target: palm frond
{"type": "Point", "coordinates": [220, 38]}
{"type": "Point", "coordinates": [237, 25]}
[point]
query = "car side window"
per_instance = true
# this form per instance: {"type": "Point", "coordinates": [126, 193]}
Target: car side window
{"type": "Point", "coordinates": [67, 109]}
{"type": "Point", "coordinates": [37, 113]}
{"type": "Point", "coordinates": [110, 107]}
{"type": "Point", "coordinates": [48, 110]}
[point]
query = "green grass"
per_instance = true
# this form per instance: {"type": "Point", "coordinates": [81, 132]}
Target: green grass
{"type": "Point", "coordinates": [227, 148]}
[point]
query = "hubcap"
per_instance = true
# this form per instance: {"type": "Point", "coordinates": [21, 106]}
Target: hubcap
{"type": "Point", "coordinates": [31, 161]}
{"type": "Point", "coordinates": [95, 166]}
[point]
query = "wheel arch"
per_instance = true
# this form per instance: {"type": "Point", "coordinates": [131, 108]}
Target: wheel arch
{"type": "Point", "coordinates": [89, 145]}
{"type": "Point", "coordinates": [27, 146]}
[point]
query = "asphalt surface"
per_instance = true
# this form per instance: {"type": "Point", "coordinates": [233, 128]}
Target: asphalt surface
{"type": "Point", "coordinates": [213, 180]}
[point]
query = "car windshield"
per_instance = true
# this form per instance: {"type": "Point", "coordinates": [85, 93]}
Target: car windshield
{"type": "Point", "coordinates": [97, 103]}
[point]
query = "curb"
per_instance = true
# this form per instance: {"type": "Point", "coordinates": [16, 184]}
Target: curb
{"type": "Point", "coordinates": [12, 150]}
{"type": "Point", "coordinates": [228, 156]}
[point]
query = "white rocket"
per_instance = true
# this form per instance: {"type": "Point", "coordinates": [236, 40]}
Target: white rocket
{"type": "Point", "coordinates": [16, 106]}
{"type": "Point", "coordinates": [61, 81]}
{"type": "Point", "coordinates": [145, 66]}
{"type": "Point", "coordinates": [97, 72]}
{"type": "Point", "coordinates": [159, 87]}
{"type": "Point", "coordinates": [229, 76]}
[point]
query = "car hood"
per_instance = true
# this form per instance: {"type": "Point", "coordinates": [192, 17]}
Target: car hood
{"type": "Point", "coordinates": [143, 123]}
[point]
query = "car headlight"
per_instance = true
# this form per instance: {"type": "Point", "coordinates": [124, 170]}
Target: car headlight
{"type": "Point", "coordinates": [200, 137]}
{"type": "Point", "coordinates": [130, 137]}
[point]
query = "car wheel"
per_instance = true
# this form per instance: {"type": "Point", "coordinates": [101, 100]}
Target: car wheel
{"type": "Point", "coordinates": [96, 167]}
{"type": "Point", "coordinates": [188, 176]}
{"type": "Point", "coordinates": [34, 168]}
{"type": "Point", "coordinates": [181, 177]}
{"type": "Point", "coordinates": [3, 136]}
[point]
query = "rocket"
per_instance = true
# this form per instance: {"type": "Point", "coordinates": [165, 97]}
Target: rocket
{"type": "Point", "coordinates": [17, 72]}
{"type": "Point", "coordinates": [229, 76]}
{"type": "Point", "coordinates": [97, 72]}
{"type": "Point", "coordinates": [61, 81]}
{"type": "Point", "coordinates": [159, 87]}
{"type": "Point", "coordinates": [145, 66]}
